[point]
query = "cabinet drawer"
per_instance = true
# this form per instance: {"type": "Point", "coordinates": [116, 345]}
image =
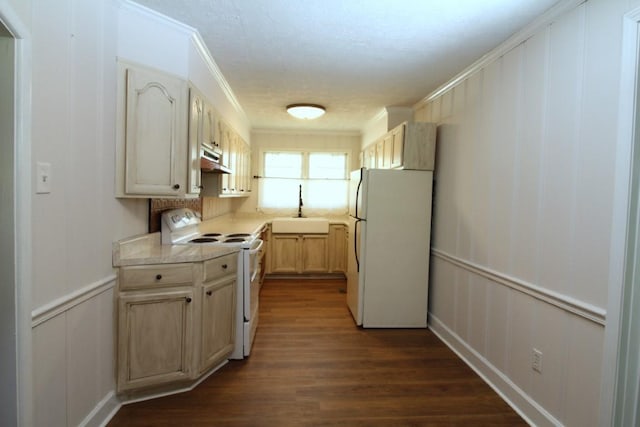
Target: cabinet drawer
{"type": "Point", "coordinates": [220, 267]}
{"type": "Point", "coordinates": [136, 277]}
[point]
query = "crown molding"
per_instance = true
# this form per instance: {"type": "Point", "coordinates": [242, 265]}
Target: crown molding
{"type": "Point", "coordinates": [517, 39]}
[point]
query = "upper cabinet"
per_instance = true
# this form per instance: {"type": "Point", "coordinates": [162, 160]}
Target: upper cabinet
{"type": "Point", "coordinates": [152, 146]}
{"type": "Point", "coordinates": [236, 155]}
{"type": "Point", "coordinates": [407, 146]}
{"type": "Point", "coordinates": [162, 126]}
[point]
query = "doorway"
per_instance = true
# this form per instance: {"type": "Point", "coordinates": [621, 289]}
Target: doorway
{"type": "Point", "coordinates": [8, 300]}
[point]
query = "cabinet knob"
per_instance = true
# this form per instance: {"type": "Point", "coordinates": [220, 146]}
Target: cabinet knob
{"type": "Point", "coordinates": [209, 293]}
{"type": "Point", "coordinates": [188, 299]}
{"type": "Point", "coordinates": [176, 187]}
{"type": "Point", "coordinates": [158, 276]}
{"type": "Point", "coordinates": [224, 266]}
{"type": "Point", "coordinates": [201, 186]}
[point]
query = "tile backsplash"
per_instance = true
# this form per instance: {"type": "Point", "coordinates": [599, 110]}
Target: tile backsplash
{"type": "Point", "coordinates": [157, 206]}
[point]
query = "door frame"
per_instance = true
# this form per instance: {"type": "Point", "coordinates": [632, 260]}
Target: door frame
{"type": "Point", "coordinates": [21, 247]}
{"type": "Point", "coordinates": [621, 361]}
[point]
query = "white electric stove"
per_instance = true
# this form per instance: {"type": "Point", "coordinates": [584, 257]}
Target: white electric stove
{"type": "Point", "coordinates": [183, 227]}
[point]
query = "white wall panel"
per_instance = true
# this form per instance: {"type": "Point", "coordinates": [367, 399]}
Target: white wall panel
{"type": "Point", "coordinates": [521, 315]}
{"type": "Point", "coordinates": [478, 299]}
{"type": "Point", "coordinates": [497, 326]}
{"type": "Point", "coordinates": [550, 336]}
{"type": "Point", "coordinates": [505, 141]}
{"type": "Point", "coordinates": [525, 236]}
{"type": "Point", "coordinates": [524, 198]}
{"type": "Point", "coordinates": [595, 154]}
{"type": "Point", "coordinates": [560, 145]}
{"type": "Point", "coordinates": [461, 304]}
{"type": "Point", "coordinates": [582, 393]}
{"type": "Point", "coordinates": [49, 373]}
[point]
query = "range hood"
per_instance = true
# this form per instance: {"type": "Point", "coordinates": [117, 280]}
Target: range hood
{"type": "Point", "coordinates": [210, 161]}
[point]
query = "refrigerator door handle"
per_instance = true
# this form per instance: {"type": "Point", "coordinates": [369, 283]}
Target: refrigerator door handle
{"type": "Point", "coordinates": [358, 192]}
{"type": "Point", "coordinates": [355, 244]}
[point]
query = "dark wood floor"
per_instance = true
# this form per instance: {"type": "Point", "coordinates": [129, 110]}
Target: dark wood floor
{"type": "Point", "coordinates": [311, 366]}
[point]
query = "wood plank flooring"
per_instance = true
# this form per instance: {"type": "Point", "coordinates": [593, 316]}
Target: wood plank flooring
{"type": "Point", "coordinates": [311, 366]}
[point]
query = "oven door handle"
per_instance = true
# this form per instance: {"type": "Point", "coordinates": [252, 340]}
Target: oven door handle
{"type": "Point", "coordinates": [255, 250]}
{"type": "Point", "coordinates": [255, 268]}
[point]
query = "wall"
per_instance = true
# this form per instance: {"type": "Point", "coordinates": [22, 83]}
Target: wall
{"type": "Point", "coordinates": [8, 315]}
{"type": "Point", "coordinates": [72, 127]}
{"type": "Point", "coordinates": [523, 210]}
{"type": "Point", "coordinates": [262, 140]}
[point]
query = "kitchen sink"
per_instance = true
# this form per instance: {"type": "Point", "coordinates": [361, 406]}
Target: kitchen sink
{"type": "Point", "coordinates": [300, 225]}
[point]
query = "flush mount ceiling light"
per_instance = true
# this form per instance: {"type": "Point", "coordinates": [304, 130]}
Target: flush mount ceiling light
{"type": "Point", "coordinates": [305, 111]}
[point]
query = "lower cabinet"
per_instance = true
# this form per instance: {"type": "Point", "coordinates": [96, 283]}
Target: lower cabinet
{"type": "Point", "coordinates": [299, 253]}
{"type": "Point", "coordinates": [155, 338]}
{"type": "Point", "coordinates": [338, 244]}
{"type": "Point", "coordinates": [174, 321]}
{"type": "Point", "coordinates": [218, 327]}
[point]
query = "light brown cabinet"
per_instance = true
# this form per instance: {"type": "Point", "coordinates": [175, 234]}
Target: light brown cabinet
{"type": "Point", "coordinates": [338, 244]}
{"type": "Point", "coordinates": [236, 155]}
{"type": "Point", "coordinates": [152, 154]}
{"type": "Point", "coordinates": [155, 338]}
{"type": "Point", "coordinates": [299, 253]}
{"type": "Point", "coordinates": [217, 321]}
{"type": "Point", "coordinates": [407, 146]}
{"type": "Point", "coordinates": [175, 321]}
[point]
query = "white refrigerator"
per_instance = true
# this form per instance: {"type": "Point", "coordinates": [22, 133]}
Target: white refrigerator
{"type": "Point", "coordinates": [389, 247]}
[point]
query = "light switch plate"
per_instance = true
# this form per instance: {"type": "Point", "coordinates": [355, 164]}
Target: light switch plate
{"type": "Point", "coordinates": [43, 178]}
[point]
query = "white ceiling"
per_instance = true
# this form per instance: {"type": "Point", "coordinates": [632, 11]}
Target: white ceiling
{"type": "Point", "coordinates": [353, 56]}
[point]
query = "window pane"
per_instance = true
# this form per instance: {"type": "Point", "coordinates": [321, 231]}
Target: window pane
{"type": "Point", "coordinates": [325, 194]}
{"type": "Point", "coordinates": [276, 193]}
{"type": "Point", "coordinates": [327, 165]}
{"type": "Point", "coordinates": [283, 165]}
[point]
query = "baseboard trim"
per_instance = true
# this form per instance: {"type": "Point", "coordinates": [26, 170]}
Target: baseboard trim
{"type": "Point", "coordinates": [328, 276]}
{"type": "Point", "coordinates": [128, 399]}
{"type": "Point", "coordinates": [522, 403]}
{"type": "Point", "coordinates": [580, 308]}
{"type": "Point", "coordinates": [103, 412]}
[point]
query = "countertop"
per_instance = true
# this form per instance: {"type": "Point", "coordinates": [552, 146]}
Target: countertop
{"type": "Point", "coordinates": [148, 249]}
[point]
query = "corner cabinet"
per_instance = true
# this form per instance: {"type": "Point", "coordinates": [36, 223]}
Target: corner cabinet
{"type": "Point", "coordinates": [174, 322]}
{"type": "Point", "coordinates": [152, 153]}
{"type": "Point", "coordinates": [407, 146]}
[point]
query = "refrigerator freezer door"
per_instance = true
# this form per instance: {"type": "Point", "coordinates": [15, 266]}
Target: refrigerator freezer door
{"type": "Point", "coordinates": [357, 187]}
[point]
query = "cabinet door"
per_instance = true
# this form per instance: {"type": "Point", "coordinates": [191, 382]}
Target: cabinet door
{"type": "Point", "coordinates": [196, 115]}
{"type": "Point", "coordinates": [155, 133]}
{"type": "Point", "coordinates": [218, 321]}
{"type": "Point", "coordinates": [373, 162]}
{"type": "Point", "coordinates": [380, 154]}
{"type": "Point", "coordinates": [154, 338]}
{"type": "Point", "coordinates": [284, 253]}
{"type": "Point", "coordinates": [387, 144]}
{"type": "Point", "coordinates": [397, 137]}
{"type": "Point", "coordinates": [337, 248]}
{"type": "Point", "coordinates": [315, 254]}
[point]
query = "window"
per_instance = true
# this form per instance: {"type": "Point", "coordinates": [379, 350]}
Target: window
{"type": "Point", "coordinates": [322, 175]}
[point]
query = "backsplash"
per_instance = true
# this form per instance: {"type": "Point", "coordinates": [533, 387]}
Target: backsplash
{"type": "Point", "coordinates": [216, 206]}
{"type": "Point", "coordinates": [157, 206]}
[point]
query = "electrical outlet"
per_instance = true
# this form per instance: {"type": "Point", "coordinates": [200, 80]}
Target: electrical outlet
{"type": "Point", "coordinates": [536, 360]}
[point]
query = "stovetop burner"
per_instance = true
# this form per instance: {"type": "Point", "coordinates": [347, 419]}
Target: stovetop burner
{"type": "Point", "coordinates": [233, 240]}
{"type": "Point", "coordinates": [239, 235]}
{"type": "Point", "coordinates": [203, 240]}
{"type": "Point", "coordinates": [211, 235]}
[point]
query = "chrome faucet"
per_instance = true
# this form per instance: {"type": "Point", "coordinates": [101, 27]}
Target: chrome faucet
{"type": "Point", "coordinates": [300, 201]}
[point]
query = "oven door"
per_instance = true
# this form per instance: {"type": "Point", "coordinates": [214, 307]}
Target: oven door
{"type": "Point", "coordinates": [252, 278]}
